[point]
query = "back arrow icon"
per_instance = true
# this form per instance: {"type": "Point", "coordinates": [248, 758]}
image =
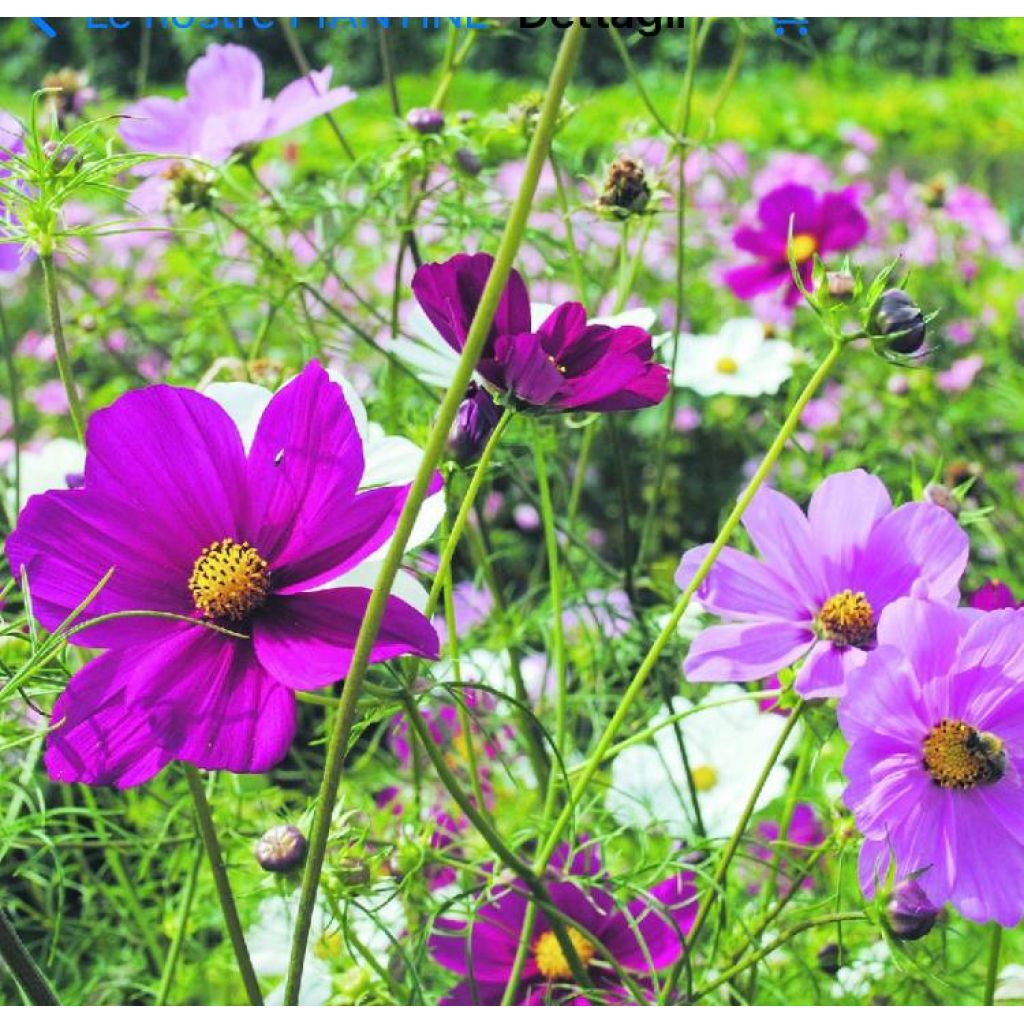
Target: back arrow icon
{"type": "Point", "coordinates": [45, 27]}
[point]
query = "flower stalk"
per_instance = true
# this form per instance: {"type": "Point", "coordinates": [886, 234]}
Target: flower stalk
{"type": "Point", "coordinates": [25, 970]}
{"type": "Point", "coordinates": [60, 344]}
{"type": "Point", "coordinates": [345, 718]}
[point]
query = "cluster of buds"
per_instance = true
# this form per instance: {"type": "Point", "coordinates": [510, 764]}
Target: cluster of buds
{"type": "Point", "coordinates": [626, 191]}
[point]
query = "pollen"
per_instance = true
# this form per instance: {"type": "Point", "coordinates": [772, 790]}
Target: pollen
{"type": "Point", "coordinates": [551, 961]}
{"type": "Point", "coordinates": [958, 756]}
{"type": "Point", "coordinates": [557, 365]}
{"type": "Point", "coordinates": [229, 580]}
{"type": "Point", "coordinates": [804, 247]}
{"type": "Point", "coordinates": [847, 619]}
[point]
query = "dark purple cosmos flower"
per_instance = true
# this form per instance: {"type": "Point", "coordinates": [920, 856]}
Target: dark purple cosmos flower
{"type": "Point", "coordinates": [824, 580]}
{"type": "Point", "coordinates": [242, 547]}
{"type": "Point", "coordinates": [822, 224]}
{"type": "Point", "coordinates": [992, 596]}
{"type": "Point", "coordinates": [567, 363]}
{"type": "Point", "coordinates": [643, 937]}
{"type": "Point", "coordinates": [224, 109]}
{"type": "Point", "coordinates": [935, 723]}
{"type": "Point", "coordinates": [11, 146]}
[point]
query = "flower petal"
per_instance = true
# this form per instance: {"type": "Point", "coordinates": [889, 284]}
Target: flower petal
{"type": "Point", "coordinates": [746, 651]}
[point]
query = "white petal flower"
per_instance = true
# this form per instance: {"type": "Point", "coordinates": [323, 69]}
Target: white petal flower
{"type": "Point", "coordinates": [739, 360]}
{"type": "Point", "coordinates": [46, 468]}
{"type": "Point", "coordinates": [727, 747]}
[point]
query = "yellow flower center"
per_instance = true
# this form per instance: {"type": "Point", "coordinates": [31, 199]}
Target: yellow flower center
{"type": "Point", "coordinates": [804, 247]}
{"type": "Point", "coordinates": [727, 365]}
{"type": "Point", "coordinates": [229, 580]}
{"type": "Point", "coordinates": [847, 619]}
{"type": "Point", "coordinates": [957, 756]}
{"type": "Point", "coordinates": [551, 961]}
{"type": "Point", "coordinates": [704, 777]}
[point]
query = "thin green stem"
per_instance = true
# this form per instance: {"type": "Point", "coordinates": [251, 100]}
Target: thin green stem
{"type": "Point", "coordinates": [12, 380]}
{"type": "Point", "coordinates": [208, 834]}
{"type": "Point", "coordinates": [475, 483]}
{"type": "Point", "coordinates": [635, 687]}
{"type": "Point", "coordinates": [174, 953]}
{"type": "Point", "coordinates": [992, 970]}
{"type": "Point", "coordinates": [498, 278]}
{"type": "Point", "coordinates": [60, 344]}
{"type": "Point", "coordinates": [26, 971]}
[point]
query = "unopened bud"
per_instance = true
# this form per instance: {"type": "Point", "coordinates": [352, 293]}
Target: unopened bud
{"type": "Point", "coordinates": [626, 190]}
{"type": "Point", "coordinates": [909, 913]}
{"type": "Point", "coordinates": [840, 285]}
{"type": "Point", "coordinates": [897, 317]}
{"type": "Point", "coordinates": [474, 423]}
{"type": "Point", "coordinates": [830, 959]}
{"type": "Point", "coordinates": [60, 155]}
{"type": "Point", "coordinates": [468, 161]}
{"type": "Point", "coordinates": [425, 120]}
{"type": "Point", "coordinates": [281, 849]}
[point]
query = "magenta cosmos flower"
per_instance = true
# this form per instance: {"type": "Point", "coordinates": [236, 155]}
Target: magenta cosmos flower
{"type": "Point", "coordinates": [224, 109]}
{"type": "Point", "coordinates": [935, 722]}
{"type": "Point", "coordinates": [566, 363]}
{"type": "Point", "coordinates": [821, 224]}
{"type": "Point", "coordinates": [643, 937]}
{"type": "Point", "coordinates": [823, 581]}
{"type": "Point", "coordinates": [241, 546]}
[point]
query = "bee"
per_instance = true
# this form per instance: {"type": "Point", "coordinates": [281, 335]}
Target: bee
{"type": "Point", "coordinates": [989, 754]}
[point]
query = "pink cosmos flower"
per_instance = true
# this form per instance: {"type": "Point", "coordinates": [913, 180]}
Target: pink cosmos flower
{"type": "Point", "coordinates": [992, 596]}
{"type": "Point", "coordinates": [224, 110]}
{"type": "Point", "coordinates": [960, 376]}
{"type": "Point", "coordinates": [832, 222]}
{"type": "Point", "coordinates": [644, 936]}
{"type": "Point", "coordinates": [242, 547]}
{"type": "Point", "coordinates": [935, 722]}
{"type": "Point", "coordinates": [823, 581]}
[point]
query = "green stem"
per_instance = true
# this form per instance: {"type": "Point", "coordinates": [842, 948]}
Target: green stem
{"type": "Point", "coordinates": [477, 336]}
{"type": "Point", "coordinates": [992, 971]}
{"type": "Point", "coordinates": [12, 379]}
{"type": "Point", "coordinates": [475, 483]}
{"type": "Point", "coordinates": [758, 955]}
{"type": "Point", "coordinates": [57, 329]}
{"type": "Point", "coordinates": [208, 834]}
{"type": "Point", "coordinates": [668, 632]}
{"type": "Point", "coordinates": [26, 971]}
{"type": "Point", "coordinates": [174, 953]}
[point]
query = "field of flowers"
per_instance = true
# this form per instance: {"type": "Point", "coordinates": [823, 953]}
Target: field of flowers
{"type": "Point", "coordinates": [478, 540]}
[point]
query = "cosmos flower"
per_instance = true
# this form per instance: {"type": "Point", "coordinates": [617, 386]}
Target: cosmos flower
{"type": "Point", "coordinates": [726, 747]}
{"type": "Point", "coordinates": [822, 584]}
{"type": "Point", "coordinates": [224, 109]}
{"type": "Point", "coordinates": [12, 147]}
{"type": "Point", "coordinates": [991, 596]}
{"type": "Point", "coordinates": [738, 360]}
{"type": "Point", "coordinates": [822, 224]}
{"type": "Point", "coordinates": [250, 549]}
{"type": "Point", "coordinates": [644, 936]}
{"type": "Point", "coordinates": [804, 833]}
{"type": "Point", "coordinates": [566, 362]}
{"type": "Point", "coordinates": [935, 723]}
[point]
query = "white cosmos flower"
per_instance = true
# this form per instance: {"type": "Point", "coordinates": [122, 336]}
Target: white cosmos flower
{"type": "Point", "coordinates": [738, 360]}
{"type": "Point", "coordinates": [376, 924]}
{"type": "Point", "coordinates": [727, 748]}
{"type": "Point", "coordinates": [389, 462]}
{"type": "Point", "coordinates": [46, 468]}
{"type": "Point", "coordinates": [859, 978]}
{"type": "Point", "coordinates": [435, 361]}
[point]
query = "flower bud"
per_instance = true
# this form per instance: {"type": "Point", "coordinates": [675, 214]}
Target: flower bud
{"type": "Point", "coordinates": [839, 284]}
{"type": "Point", "coordinates": [909, 913]}
{"type": "Point", "coordinates": [937, 494]}
{"type": "Point", "coordinates": [281, 849]}
{"type": "Point", "coordinates": [61, 155]}
{"type": "Point", "coordinates": [626, 190]}
{"type": "Point", "coordinates": [474, 422]}
{"type": "Point", "coordinates": [425, 120]}
{"type": "Point", "coordinates": [468, 161]}
{"type": "Point", "coordinates": [896, 316]}
{"type": "Point", "coordinates": [829, 959]}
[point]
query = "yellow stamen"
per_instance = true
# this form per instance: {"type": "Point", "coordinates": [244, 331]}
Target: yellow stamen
{"type": "Point", "coordinates": [229, 580]}
{"type": "Point", "coordinates": [847, 619]}
{"type": "Point", "coordinates": [551, 961]}
{"type": "Point", "coordinates": [704, 777]}
{"type": "Point", "coordinates": [804, 247]}
{"type": "Point", "coordinates": [957, 756]}
{"type": "Point", "coordinates": [727, 365]}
